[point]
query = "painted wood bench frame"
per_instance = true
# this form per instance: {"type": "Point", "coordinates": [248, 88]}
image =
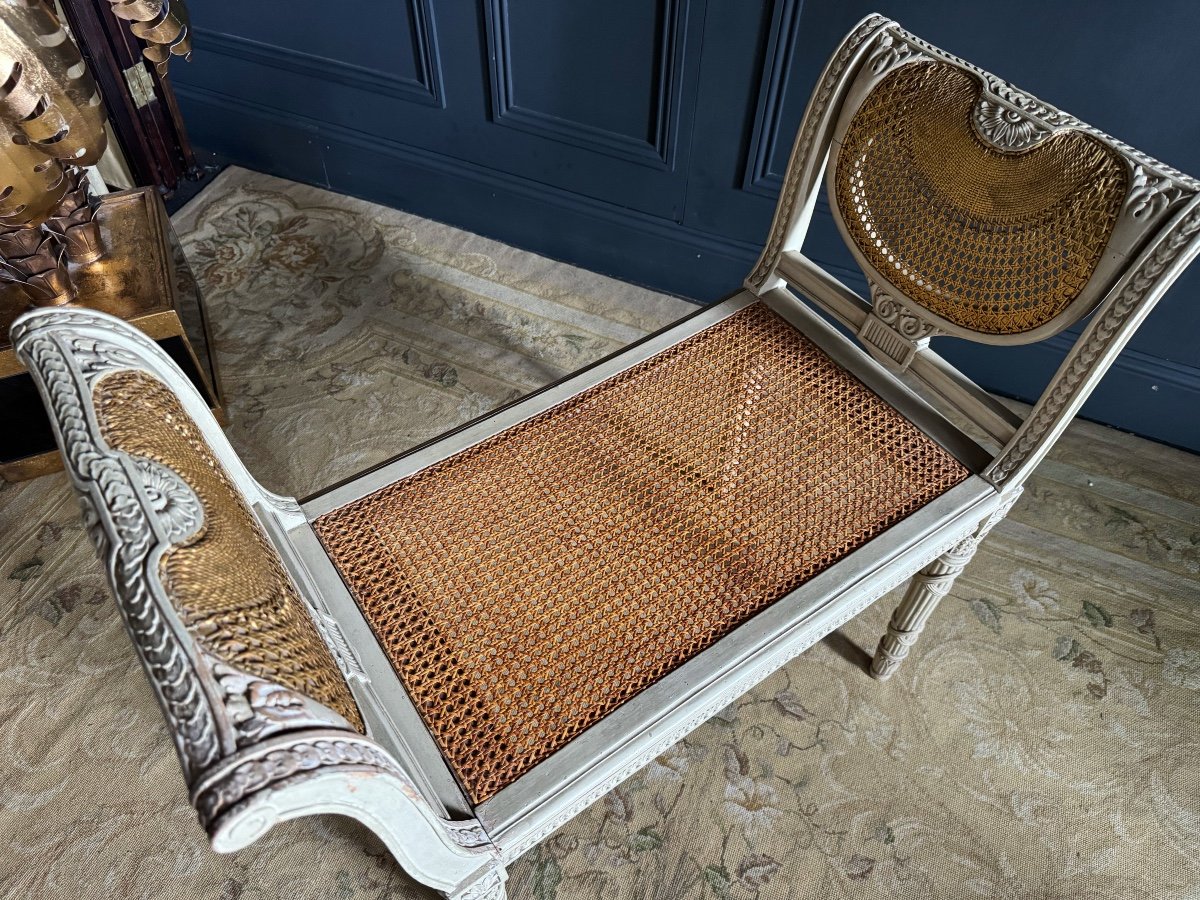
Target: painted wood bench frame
{"type": "Point", "coordinates": [394, 779]}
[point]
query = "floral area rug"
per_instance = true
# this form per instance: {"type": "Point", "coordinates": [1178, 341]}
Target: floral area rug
{"type": "Point", "coordinates": [1042, 742]}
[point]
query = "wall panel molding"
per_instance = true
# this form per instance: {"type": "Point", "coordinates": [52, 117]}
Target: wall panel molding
{"type": "Point", "coordinates": [658, 151]}
{"type": "Point", "coordinates": [426, 89]}
{"type": "Point", "coordinates": [779, 59]}
{"type": "Point", "coordinates": [1141, 392]}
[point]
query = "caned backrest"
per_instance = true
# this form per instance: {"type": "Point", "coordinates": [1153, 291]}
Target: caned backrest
{"type": "Point", "coordinates": [976, 210]}
{"type": "Point", "coordinates": [231, 648]}
{"type": "Point", "coordinates": [991, 223]}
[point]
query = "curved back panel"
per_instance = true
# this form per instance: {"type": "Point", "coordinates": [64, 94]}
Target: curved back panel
{"type": "Point", "coordinates": [985, 212]}
{"type": "Point", "coordinates": [229, 645]}
{"type": "Point", "coordinates": [226, 582]}
{"type": "Point", "coordinates": [995, 241]}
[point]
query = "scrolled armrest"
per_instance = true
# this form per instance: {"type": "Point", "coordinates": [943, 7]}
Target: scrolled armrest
{"type": "Point", "coordinates": [263, 719]}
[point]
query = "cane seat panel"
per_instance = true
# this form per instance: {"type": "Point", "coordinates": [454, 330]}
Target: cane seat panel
{"type": "Point", "coordinates": [995, 241]}
{"type": "Point", "coordinates": [227, 583]}
{"type": "Point", "coordinates": [529, 585]}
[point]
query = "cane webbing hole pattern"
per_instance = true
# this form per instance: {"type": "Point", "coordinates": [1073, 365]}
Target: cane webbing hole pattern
{"type": "Point", "coordinates": [530, 584]}
{"type": "Point", "coordinates": [995, 241]}
{"type": "Point", "coordinates": [227, 583]}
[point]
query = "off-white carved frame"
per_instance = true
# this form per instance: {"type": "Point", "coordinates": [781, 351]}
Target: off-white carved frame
{"type": "Point", "coordinates": [1154, 239]}
{"type": "Point", "coordinates": [253, 753]}
{"type": "Point", "coordinates": [251, 761]}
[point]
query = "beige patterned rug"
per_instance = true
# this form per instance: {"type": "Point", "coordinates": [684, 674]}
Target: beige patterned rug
{"type": "Point", "coordinates": [1043, 742]}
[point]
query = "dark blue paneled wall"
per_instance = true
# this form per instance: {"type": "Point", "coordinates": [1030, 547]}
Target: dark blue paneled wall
{"type": "Point", "coordinates": [647, 138]}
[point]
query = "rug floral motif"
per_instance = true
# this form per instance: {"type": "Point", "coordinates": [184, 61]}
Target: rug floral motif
{"type": "Point", "coordinates": [1042, 742]}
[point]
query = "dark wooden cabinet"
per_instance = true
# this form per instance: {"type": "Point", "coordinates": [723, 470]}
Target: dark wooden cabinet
{"type": "Point", "coordinates": [646, 138]}
{"type": "Point", "coordinates": [142, 110]}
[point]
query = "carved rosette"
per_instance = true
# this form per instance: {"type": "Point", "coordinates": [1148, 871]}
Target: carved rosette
{"type": "Point", "coordinates": [1047, 115]}
{"type": "Point", "coordinates": [1007, 128]}
{"type": "Point", "coordinates": [174, 503]}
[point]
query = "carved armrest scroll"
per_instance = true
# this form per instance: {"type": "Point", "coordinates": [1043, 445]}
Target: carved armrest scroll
{"type": "Point", "coordinates": [263, 720]}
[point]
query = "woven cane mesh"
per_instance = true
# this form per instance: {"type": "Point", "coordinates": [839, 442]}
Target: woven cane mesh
{"type": "Point", "coordinates": [227, 584]}
{"type": "Point", "coordinates": [529, 585]}
{"type": "Point", "coordinates": [997, 242]}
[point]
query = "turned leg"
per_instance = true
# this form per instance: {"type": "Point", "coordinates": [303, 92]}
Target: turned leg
{"type": "Point", "coordinates": [927, 587]}
{"type": "Point", "coordinates": [924, 592]}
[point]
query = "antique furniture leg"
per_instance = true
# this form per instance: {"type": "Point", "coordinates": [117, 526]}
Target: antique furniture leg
{"type": "Point", "coordinates": [925, 591]}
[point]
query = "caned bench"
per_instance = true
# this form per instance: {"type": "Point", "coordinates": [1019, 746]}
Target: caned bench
{"type": "Point", "coordinates": [465, 646]}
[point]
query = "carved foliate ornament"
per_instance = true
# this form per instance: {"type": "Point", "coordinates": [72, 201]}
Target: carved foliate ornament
{"type": "Point", "coordinates": [257, 708]}
{"type": "Point", "coordinates": [1007, 128]}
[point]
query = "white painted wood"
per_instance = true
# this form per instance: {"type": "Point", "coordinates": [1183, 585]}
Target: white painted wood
{"type": "Point", "coordinates": [239, 737]}
{"type": "Point", "coordinates": [394, 779]}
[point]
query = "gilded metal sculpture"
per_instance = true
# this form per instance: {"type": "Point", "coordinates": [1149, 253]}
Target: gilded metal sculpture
{"type": "Point", "coordinates": [53, 120]}
{"type": "Point", "coordinates": [164, 26]}
{"type": "Point", "coordinates": [59, 245]}
{"type": "Point", "coordinates": [53, 124]}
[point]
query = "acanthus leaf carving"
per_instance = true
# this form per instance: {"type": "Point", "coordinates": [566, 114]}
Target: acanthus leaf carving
{"type": "Point", "coordinates": [892, 51]}
{"type": "Point", "coordinates": [257, 708]}
{"type": "Point", "coordinates": [1150, 193]}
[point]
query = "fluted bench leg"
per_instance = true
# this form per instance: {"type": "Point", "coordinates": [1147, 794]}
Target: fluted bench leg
{"type": "Point", "coordinates": [925, 591]}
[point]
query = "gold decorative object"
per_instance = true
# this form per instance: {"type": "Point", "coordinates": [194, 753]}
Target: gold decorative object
{"type": "Point", "coordinates": [163, 24]}
{"type": "Point", "coordinates": [134, 279]}
{"type": "Point", "coordinates": [36, 264]}
{"type": "Point", "coordinates": [48, 97]}
{"type": "Point", "coordinates": [52, 121]}
{"type": "Point", "coordinates": [58, 245]}
{"type": "Point", "coordinates": [31, 183]}
{"type": "Point", "coordinates": [73, 222]}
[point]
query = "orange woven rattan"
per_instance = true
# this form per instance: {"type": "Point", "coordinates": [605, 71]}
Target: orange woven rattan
{"type": "Point", "coordinates": [226, 583]}
{"type": "Point", "coordinates": [994, 241]}
{"type": "Point", "coordinates": [529, 585]}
